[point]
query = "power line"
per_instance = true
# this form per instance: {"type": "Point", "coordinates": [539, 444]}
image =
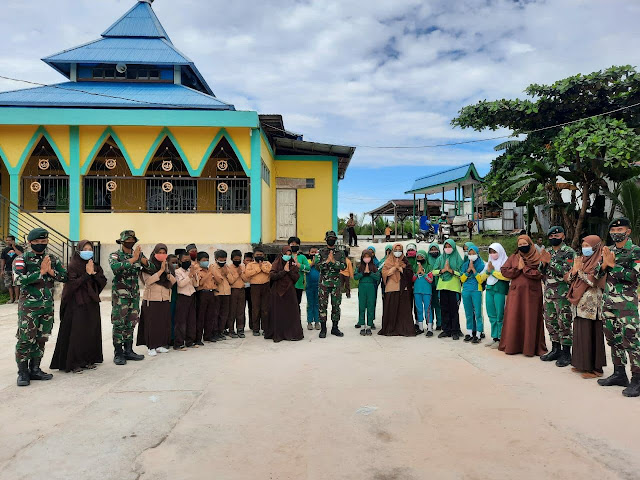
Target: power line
{"type": "Point", "coordinates": [383, 147]}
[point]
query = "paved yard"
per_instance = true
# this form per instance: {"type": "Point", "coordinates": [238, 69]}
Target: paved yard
{"type": "Point", "coordinates": [351, 408]}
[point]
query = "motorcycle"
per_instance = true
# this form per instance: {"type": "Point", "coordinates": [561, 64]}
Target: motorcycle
{"type": "Point", "coordinates": [444, 232]}
{"type": "Point", "coordinates": [426, 235]}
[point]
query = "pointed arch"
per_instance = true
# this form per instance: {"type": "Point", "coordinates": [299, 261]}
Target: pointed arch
{"type": "Point", "coordinates": [214, 143]}
{"type": "Point", "coordinates": [28, 151]}
{"type": "Point", "coordinates": [5, 160]}
{"type": "Point", "coordinates": [108, 132]}
{"type": "Point", "coordinates": [165, 133]}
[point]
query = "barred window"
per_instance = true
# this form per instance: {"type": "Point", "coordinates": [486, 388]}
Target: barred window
{"type": "Point", "coordinates": [266, 173]}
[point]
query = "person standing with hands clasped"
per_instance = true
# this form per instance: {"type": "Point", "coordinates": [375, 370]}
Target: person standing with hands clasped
{"type": "Point", "coordinates": [472, 294]}
{"type": "Point", "coordinates": [497, 287]}
{"type": "Point", "coordinates": [126, 264]}
{"type": "Point", "coordinates": [330, 262]}
{"type": "Point", "coordinates": [621, 266]}
{"type": "Point", "coordinates": [422, 292]}
{"type": "Point", "coordinates": [258, 274]}
{"type": "Point", "coordinates": [302, 263]}
{"type": "Point", "coordinates": [186, 317]}
{"type": "Point", "coordinates": [447, 270]}
{"type": "Point", "coordinates": [313, 280]}
{"type": "Point", "coordinates": [237, 280]}
{"type": "Point", "coordinates": [368, 276]}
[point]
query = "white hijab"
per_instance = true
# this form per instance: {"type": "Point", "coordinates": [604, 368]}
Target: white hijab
{"type": "Point", "coordinates": [497, 264]}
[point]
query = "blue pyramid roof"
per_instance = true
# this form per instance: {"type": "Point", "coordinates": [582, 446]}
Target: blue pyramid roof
{"type": "Point", "coordinates": [140, 21]}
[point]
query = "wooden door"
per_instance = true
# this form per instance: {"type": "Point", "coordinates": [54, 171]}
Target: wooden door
{"type": "Point", "coordinates": [286, 213]}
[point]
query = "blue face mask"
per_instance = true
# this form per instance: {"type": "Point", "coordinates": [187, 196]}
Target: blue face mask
{"type": "Point", "coordinates": [11, 254]}
{"type": "Point", "coordinates": [587, 251]}
{"type": "Point", "coordinates": [86, 254]}
{"type": "Point", "coordinates": [204, 264]}
{"type": "Point", "coordinates": [286, 258]}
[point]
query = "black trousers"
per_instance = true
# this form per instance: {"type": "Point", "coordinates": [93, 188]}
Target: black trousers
{"type": "Point", "coordinates": [449, 302]}
{"type": "Point", "coordinates": [299, 295]}
{"type": "Point", "coordinates": [353, 236]}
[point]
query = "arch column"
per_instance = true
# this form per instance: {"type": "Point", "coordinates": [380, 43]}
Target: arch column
{"type": "Point", "coordinates": [74, 183]}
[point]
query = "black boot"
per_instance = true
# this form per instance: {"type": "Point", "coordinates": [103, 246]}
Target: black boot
{"type": "Point", "coordinates": [618, 379]}
{"type": "Point", "coordinates": [35, 373]}
{"type": "Point", "coordinates": [554, 354]}
{"type": "Point", "coordinates": [565, 357]}
{"type": "Point", "coordinates": [323, 330]}
{"type": "Point", "coordinates": [23, 374]}
{"type": "Point", "coordinates": [129, 354]}
{"type": "Point", "coordinates": [633, 390]}
{"type": "Point", "coordinates": [336, 331]}
{"type": "Point", "coordinates": [118, 355]}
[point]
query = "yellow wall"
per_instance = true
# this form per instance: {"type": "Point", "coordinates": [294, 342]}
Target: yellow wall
{"type": "Point", "coordinates": [57, 221]}
{"type": "Point", "coordinates": [14, 139]}
{"type": "Point", "coordinates": [170, 228]}
{"type": "Point", "coordinates": [314, 204]}
{"type": "Point", "coordinates": [268, 196]}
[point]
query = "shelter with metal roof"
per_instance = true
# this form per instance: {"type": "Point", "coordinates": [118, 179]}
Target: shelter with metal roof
{"type": "Point", "coordinates": [136, 138]}
{"type": "Point", "coordinates": [402, 209]}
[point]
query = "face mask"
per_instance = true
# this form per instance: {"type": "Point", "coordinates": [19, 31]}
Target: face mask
{"type": "Point", "coordinates": [366, 259]}
{"type": "Point", "coordinates": [331, 242]}
{"type": "Point", "coordinates": [258, 259]}
{"type": "Point", "coordinates": [221, 264]}
{"type": "Point", "coordinates": [473, 257]}
{"type": "Point", "coordinates": [11, 254]}
{"type": "Point", "coordinates": [525, 248]}
{"type": "Point", "coordinates": [397, 254]}
{"type": "Point", "coordinates": [237, 262]}
{"type": "Point", "coordinates": [185, 265]}
{"type": "Point", "coordinates": [494, 256]}
{"type": "Point", "coordinates": [204, 264]}
{"type": "Point", "coordinates": [448, 250]}
{"type": "Point", "coordinates": [434, 254]}
{"type": "Point", "coordinates": [286, 258]}
{"type": "Point", "coordinates": [555, 241]}
{"type": "Point", "coordinates": [411, 253]}
{"type": "Point", "coordinates": [175, 266]}
{"type": "Point", "coordinates": [86, 254]}
{"type": "Point", "coordinates": [422, 261]}
{"type": "Point", "coordinates": [39, 247]}
{"type": "Point", "coordinates": [618, 237]}
{"type": "Point", "coordinates": [295, 248]}
{"type": "Point", "coordinates": [129, 245]}
{"type": "Point", "coordinates": [161, 257]}
{"type": "Point", "coordinates": [587, 251]}
{"type": "Point", "coordinates": [193, 255]}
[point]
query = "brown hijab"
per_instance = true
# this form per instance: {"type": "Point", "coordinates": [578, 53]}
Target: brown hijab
{"type": "Point", "coordinates": [283, 281]}
{"type": "Point", "coordinates": [579, 286]}
{"type": "Point", "coordinates": [154, 266]}
{"type": "Point", "coordinates": [532, 258]}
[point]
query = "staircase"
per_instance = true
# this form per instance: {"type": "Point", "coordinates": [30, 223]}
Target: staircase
{"type": "Point", "coordinates": [16, 221]}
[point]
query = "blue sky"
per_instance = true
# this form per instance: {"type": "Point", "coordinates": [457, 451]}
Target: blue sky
{"type": "Point", "coordinates": [352, 72]}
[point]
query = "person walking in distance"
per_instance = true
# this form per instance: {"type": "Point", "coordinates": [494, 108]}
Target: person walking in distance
{"type": "Point", "coordinates": [330, 262]}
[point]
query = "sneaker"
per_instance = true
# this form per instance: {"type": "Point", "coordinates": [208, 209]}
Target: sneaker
{"type": "Point", "coordinates": [439, 327]}
{"type": "Point", "coordinates": [418, 330]}
{"type": "Point", "coordinates": [476, 340]}
{"type": "Point", "coordinates": [241, 334]}
{"type": "Point", "coordinates": [318, 326]}
{"type": "Point", "coordinates": [357, 325]}
{"type": "Point", "coordinates": [429, 333]}
{"type": "Point", "coordinates": [152, 352]}
{"type": "Point", "coordinates": [373, 326]}
{"type": "Point", "coordinates": [467, 338]}
{"type": "Point", "coordinates": [443, 335]}
{"type": "Point", "coordinates": [496, 345]}
{"type": "Point", "coordinates": [180, 347]}
{"type": "Point", "coordinates": [234, 335]}
{"type": "Point", "coordinates": [482, 335]}
{"type": "Point", "coordinates": [455, 336]}
{"type": "Point", "coordinates": [200, 344]}
{"type": "Point", "coordinates": [162, 350]}
{"type": "Point", "coordinates": [363, 332]}
{"type": "Point", "coordinates": [309, 326]}
{"type": "Point", "coordinates": [256, 333]}
{"type": "Point", "coordinates": [490, 344]}
{"type": "Point", "coordinates": [369, 331]}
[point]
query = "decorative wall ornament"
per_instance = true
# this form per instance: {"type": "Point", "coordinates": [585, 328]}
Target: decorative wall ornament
{"type": "Point", "coordinates": [167, 187]}
{"type": "Point", "coordinates": [167, 165]}
{"type": "Point", "coordinates": [111, 186]}
{"type": "Point", "coordinates": [223, 165]}
{"type": "Point", "coordinates": [43, 164]}
{"type": "Point", "coordinates": [35, 187]}
{"type": "Point", "coordinates": [223, 187]}
{"type": "Point", "coordinates": [111, 163]}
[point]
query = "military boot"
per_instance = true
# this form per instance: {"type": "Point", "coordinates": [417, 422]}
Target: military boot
{"type": "Point", "coordinates": [336, 331]}
{"type": "Point", "coordinates": [35, 373]}
{"type": "Point", "coordinates": [554, 354]}
{"type": "Point", "coordinates": [633, 390]}
{"type": "Point", "coordinates": [129, 354]}
{"type": "Point", "coordinates": [23, 374]}
{"type": "Point", "coordinates": [118, 355]}
{"type": "Point", "coordinates": [618, 379]}
{"type": "Point", "coordinates": [565, 357]}
{"type": "Point", "coordinates": [323, 330]}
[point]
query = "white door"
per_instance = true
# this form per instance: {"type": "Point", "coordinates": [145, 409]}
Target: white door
{"type": "Point", "coordinates": [286, 215]}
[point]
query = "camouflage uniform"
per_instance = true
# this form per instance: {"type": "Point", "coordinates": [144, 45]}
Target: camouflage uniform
{"type": "Point", "coordinates": [557, 309]}
{"type": "Point", "coordinates": [35, 307]}
{"type": "Point", "coordinates": [329, 283]}
{"type": "Point", "coordinates": [620, 312]}
{"type": "Point", "coordinates": [125, 295]}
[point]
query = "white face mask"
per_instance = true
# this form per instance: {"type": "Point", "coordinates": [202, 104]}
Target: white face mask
{"type": "Point", "coordinates": [397, 254]}
{"type": "Point", "coordinates": [448, 250]}
{"type": "Point", "coordinates": [473, 257]}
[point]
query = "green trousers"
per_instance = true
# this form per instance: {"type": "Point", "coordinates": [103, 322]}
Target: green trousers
{"type": "Point", "coordinates": [367, 302]}
{"type": "Point", "coordinates": [495, 311]}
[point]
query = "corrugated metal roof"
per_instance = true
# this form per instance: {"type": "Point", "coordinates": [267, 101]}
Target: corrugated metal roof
{"type": "Point", "coordinates": [288, 146]}
{"type": "Point", "coordinates": [446, 177]}
{"type": "Point", "coordinates": [140, 21]}
{"type": "Point", "coordinates": [101, 95]}
{"type": "Point", "coordinates": [122, 50]}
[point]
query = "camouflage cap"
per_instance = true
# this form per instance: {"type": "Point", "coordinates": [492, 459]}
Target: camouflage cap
{"type": "Point", "coordinates": [127, 234]}
{"type": "Point", "coordinates": [554, 230]}
{"type": "Point", "coordinates": [37, 234]}
{"type": "Point", "coordinates": [330, 234]}
{"type": "Point", "coordinates": [620, 222]}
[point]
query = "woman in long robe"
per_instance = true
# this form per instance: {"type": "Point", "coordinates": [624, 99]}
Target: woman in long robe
{"type": "Point", "coordinates": [397, 311]}
{"type": "Point", "coordinates": [523, 328]}
{"type": "Point", "coordinates": [284, 316]}
{"type": "Point", "coordinates": [79, 344]}
{"type": "Point", "coordinates": [585, 295]}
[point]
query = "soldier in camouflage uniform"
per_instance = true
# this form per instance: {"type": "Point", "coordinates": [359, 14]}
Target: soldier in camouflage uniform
{"type": "Point", "coordinates": [126, 264]}
{"type": "Point", "coordinates": [330, 262]}
{"type": "Point", "coordinates": [556, 263]}
{"type": "Point", "coordinates": [621, 265]}
{"type": "Point", "coordinates": [36, 273]}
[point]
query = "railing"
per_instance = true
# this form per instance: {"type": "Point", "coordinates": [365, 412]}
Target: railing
{"type": "Point", "coordinates": [166, 194]}
{"type": "Point", "coordinates": [45, 194]}
{"type": "Point", "coordinates": [16, 221]}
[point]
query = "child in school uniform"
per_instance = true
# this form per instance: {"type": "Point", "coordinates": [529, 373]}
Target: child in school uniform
{"type": "Point", "coordinates": [206, 300]}
{"type": "Point", "coordinates": [223, 295]}
{"type": "Point", "coordinates": [185, 317]}
{"type": "Point", "coordinates": [258, 274]}
{"type": "Point", "coordinates": [237, 280]}
{"type": "Point", "coordinates": [311, 290]}
{"type": "Point", "coordinates": [368, 276]}
{"type": "Point", "coordinates": [422, 290]}
{"type": "Point", "coordinates": [472, 286]}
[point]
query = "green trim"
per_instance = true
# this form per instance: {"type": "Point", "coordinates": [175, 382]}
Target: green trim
{"type": "Point", "coordinates": [139, 172]}
{"type": "Point", "coordinates": [306, 158]}
{"type": "Point", "coordinates": [108, 132]}
{"type": "Point", "coordinates": [40, 132]}
{"type": "Point", "coordinates": [74, 183]}
{"type": "Point", "coordinates": [256, 188]}
{"type": "Point", "coordinates": [127, 117]}
{"type": "Point", "coordinates": [334, 187]}
{"type": "Point", "coordinates": [266, 141]}
{"type": "Point", "coordinates": [214, 143]}
{"type": "Point", "coordinates": [14, 195]}
{"type": "Point", "coordinates": [456, 181]}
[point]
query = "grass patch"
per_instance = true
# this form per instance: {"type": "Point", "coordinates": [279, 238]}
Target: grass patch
{"type": "Point", "coordinates": [510, 243]}
{"type": "Point", "coordinates": [4, 297]}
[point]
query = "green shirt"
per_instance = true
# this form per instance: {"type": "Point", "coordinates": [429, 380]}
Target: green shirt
{"type": "Point", "coordinates": [304, 269]}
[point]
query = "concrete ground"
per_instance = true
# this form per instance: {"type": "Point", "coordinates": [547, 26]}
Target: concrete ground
{"type": "Point", "coordinates": [350, 408]}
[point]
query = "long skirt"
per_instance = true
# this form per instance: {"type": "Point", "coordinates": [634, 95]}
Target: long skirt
{"type": "Point", "coordinates": [397, 315]}
{"type": "Point", "coordinates": [79, 338]}
{"type": "Point", "coordinates": [154, 329]}
{"type": "Point", "coordinates": [284, 317]}
{"type": "Point", "coordinates": [588, 353]}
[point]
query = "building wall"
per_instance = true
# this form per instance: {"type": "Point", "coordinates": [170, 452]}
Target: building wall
{"type": "Point", "coordinates": [268, 195]}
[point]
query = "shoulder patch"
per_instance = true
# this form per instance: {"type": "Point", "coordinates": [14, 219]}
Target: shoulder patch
{"type": "Point", "coordinates": [114, 256]}
{"type": "Point", "coordinates": [19, 265]}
